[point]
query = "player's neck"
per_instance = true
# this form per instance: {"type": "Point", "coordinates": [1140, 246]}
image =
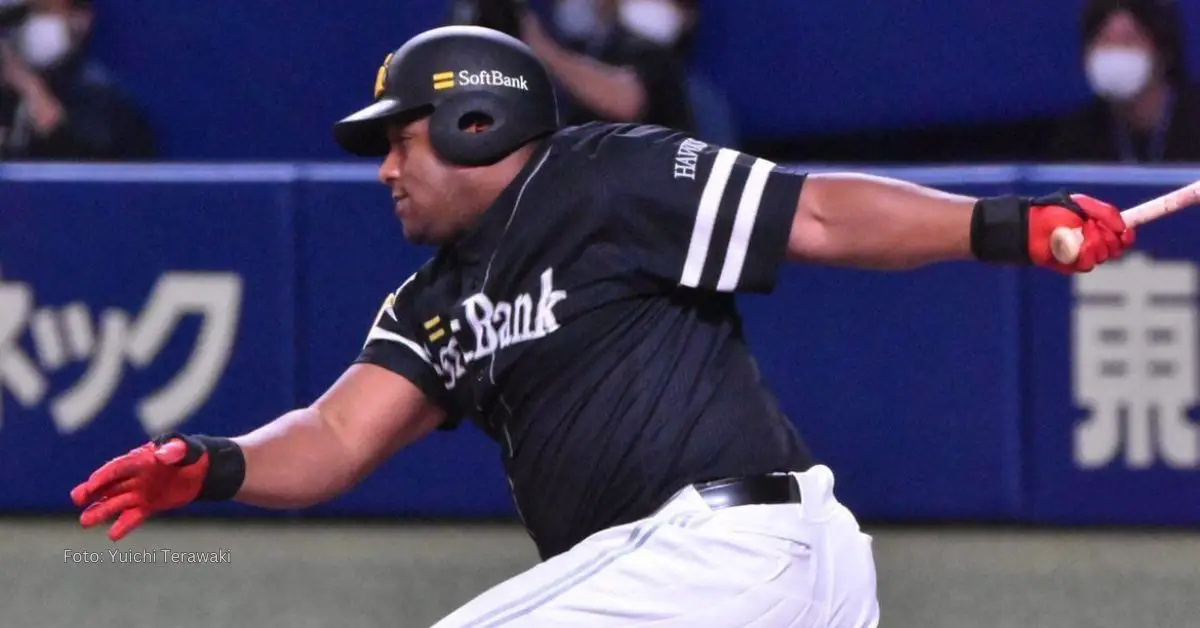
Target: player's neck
{"type": "Point", "coordinates": [489, 183]}
{"type": "Point", "coordinates": [500, 175]}
{"type": "Point", "coordinates": [1147, 110]}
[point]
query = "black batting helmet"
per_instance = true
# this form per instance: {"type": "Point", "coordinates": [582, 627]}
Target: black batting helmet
{"type": "Point", "coordinates": [457, 74]}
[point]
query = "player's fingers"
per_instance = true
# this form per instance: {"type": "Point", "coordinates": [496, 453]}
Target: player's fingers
{"type": "Point", "coordinates": [1087, 260]}
{"type": "Point", "coordinates": [1087, 253]}
{"type": "Point", "coordinates": [1112, 242]}
{"type": "Point", "coordinates": [125, 524]}
{"type": "Point", "coordinates": [172, 452]}
{"type": "Point", "coordinates": [1102, 241]}
{"type": "Point", "coordinates": [111, 473]}
{"type": "Point", "coordinates": [81, 494]}
{"type": "Point", "coordinates": [1120, 243]}
{"type": "Point", "coordinates": [132, 485]}
{"type": "Point", "coordinates": [1101, 212]}
{"type": "Point", "coordinates": [88, 516]}
{"type": "Point", "coordinates": [89, 489]}
{"type": "Point", "coordinates": [1127, 238]}
{"type": "Point", "coordinates": [106, 509]}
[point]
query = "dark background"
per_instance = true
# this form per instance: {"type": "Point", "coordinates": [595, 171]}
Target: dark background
{"type": "Point", "coordinates": [809, 80]}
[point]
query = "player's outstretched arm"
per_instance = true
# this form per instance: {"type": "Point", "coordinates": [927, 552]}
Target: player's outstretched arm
{"type": "Point", "coordinates": [313, 454]}
{"type": "Point", "coordinates": [301, 458]}
{"type": "Point", "coordinates": [874, 222]}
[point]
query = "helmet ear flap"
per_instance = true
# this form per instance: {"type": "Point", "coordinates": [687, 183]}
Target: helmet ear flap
{"type": "Point", "coordinates": [471, 129]}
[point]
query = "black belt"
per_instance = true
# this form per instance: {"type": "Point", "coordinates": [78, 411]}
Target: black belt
{"type": "Point", "coordinates": [772, 488]}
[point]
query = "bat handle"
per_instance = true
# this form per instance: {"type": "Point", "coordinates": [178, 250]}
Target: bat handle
{"type": "Point", "coordinates": [1065, 243]}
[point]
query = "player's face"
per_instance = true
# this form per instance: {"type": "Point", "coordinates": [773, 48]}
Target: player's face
{"type": "Point", "coordinates": [426, 191]}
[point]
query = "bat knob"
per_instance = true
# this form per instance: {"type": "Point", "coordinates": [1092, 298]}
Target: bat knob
{"type": "Point", "coordinates": [1065, 243]}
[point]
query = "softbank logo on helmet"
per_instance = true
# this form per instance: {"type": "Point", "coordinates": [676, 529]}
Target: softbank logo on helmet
{"type": "Point", "coordinates": [446, 80]}
{"type": "Point", "coordinates": [443, 80]}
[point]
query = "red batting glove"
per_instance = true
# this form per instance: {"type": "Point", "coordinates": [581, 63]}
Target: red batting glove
{"type": "Point", "coordinates": [145, 481]}
{"type": "Point", "coordinates": [1105, 235]}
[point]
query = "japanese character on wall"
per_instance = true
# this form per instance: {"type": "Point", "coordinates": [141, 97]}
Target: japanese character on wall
{"type": "Point", "coordinates": [1134, 364]}
{"type": "Point", "coordinates": [112, 340]}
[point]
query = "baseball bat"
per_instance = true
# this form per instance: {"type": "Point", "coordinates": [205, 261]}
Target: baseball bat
{"type": "Point", "coordinates": [1065, 241]}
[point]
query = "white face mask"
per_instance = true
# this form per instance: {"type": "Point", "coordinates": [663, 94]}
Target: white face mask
{"type": "Point", "coordinates": [576, 18]}
{"type": "Point", "coordinates": [44, 40]}
{"type": "Point", "coordinates": [659, 21]}
{"type": "Point", "coordinates": [1117, 72]}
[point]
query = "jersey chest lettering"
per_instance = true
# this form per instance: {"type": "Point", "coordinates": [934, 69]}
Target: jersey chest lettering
{"type": "Point", "coordinates": [492, 326]}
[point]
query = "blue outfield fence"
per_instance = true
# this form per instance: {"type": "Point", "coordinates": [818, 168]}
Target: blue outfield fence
{"type": "Point", "coordinates": [212, 298]}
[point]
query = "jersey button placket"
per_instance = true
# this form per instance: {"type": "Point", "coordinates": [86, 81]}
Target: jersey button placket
{"type": "Point", "coordinates": [474, 284]}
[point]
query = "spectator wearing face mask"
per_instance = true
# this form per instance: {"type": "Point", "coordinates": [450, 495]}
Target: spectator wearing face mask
{"type": "Point", "coordinates": [55, 102]}
{"type": "Point", "coordinates": [616, 60]}
{"type": "Point", "coordinates": [1144, 109]}
{"type": "Point", "coordinates": [671, 24]}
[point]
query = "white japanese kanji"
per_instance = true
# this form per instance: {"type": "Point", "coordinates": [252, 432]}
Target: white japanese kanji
{"type": "Point", "coordinates": [67, 334]}
{"type": "Point", "coordinates": [1134, 364]}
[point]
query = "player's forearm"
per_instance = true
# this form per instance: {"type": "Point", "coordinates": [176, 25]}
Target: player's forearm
{"type": "Point", "coordinates": [294, 461]}
{"type": "Point", "coordinates": [872, 222]}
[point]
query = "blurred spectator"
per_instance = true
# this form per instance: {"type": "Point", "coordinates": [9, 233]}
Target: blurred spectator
{"type": "Point", "coordinates": [56, 103]}
{"type": "Point", "coordinates": [1145, 109]}
{"type": "Point", "coordinates": [672, 25]}
{"type": "Point", "coordinates": [616, 61]}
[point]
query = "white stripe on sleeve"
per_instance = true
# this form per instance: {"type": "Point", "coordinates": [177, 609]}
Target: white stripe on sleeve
{"type": "Point", "coordinates": [378, 333]}
{"type": "Point", "coordinates": [743, 225]}
{"type": "Point", "coordinates": [706, 217]}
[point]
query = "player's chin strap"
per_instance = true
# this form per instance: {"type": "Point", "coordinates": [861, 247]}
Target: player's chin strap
{"type": "Point", "coordinates": [226, 463]}
{"type": "Point", "coordinates": [1000, 226]}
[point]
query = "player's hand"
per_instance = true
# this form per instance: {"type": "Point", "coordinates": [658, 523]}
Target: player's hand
{"type": "Point", "coordinates": [130, 488]}
{"type": "Point", "coordinates": [1105, 235]}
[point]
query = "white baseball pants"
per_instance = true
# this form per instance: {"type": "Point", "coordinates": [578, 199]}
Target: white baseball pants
{"type": "Point", "coordinates": [804, 565]}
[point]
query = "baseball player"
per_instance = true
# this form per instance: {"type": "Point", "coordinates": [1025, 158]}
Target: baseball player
{"type": "Point", "coordinates": [580, 309]}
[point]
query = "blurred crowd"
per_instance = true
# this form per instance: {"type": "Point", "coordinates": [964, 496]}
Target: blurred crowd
{"type": "Point", "coordinates": [629, 60]}
{"type": "Point", "coordinates": [615, 60]}
{"type": "Point", "coordinates": [56, 101]}
{"type": "Point", "coordinates": [1145, 109]}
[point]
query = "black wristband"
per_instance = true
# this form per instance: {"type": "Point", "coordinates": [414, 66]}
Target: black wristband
{"type": "Point", "coordinates": [1000, 230]}
{"type": "Point", "coordinates": [226, 464]}
{"type": "Point", "coordinates": [226, 469]}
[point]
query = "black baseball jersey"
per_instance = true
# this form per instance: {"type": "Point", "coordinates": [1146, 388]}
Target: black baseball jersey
{"type": "Point", "coordinates": [587, 323]}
